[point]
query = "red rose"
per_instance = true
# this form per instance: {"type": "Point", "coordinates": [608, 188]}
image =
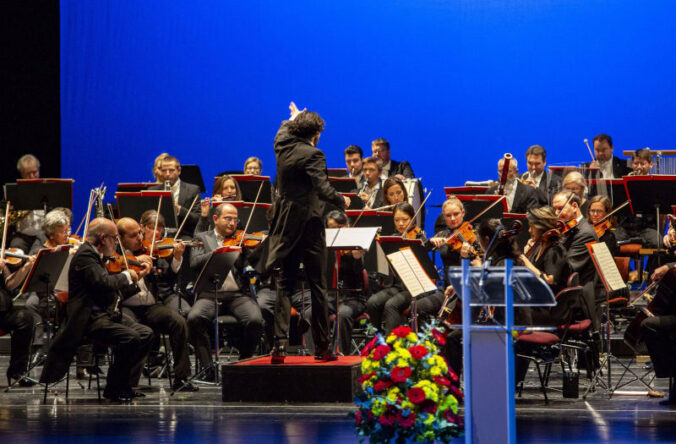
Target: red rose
{"type": "Point", "coordinates": [452, 375]}
{"type": "Point", "coordinates": [439, 337]}
{"type": "Point", "coordinates": [455, 391]}
{"type": "Point", "coordinates": [386, 420]}
{"type": "Point", "coordinates": [365, 377]}
{"type": "Point", "coordinates": [368, 347]}
{"type": "Point", "coordinates": [401, 332]}
{"type": "Point", "coordinates": [407, 421]}
{"type": "Point", "coordinates": [381, 351]}
{"type": "Point", "coordinates": [400, 374]}
{"type": "Point", "coordinates": [441, 381]}
{"type": "Point", "coordinates": [418, 351]}
{"type": "Point", "coordinates": [416, 395]}
{"type": "Point", "coordinates": [381, 385]}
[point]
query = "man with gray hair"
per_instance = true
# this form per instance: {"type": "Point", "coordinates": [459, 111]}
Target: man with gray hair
{"type": "Point", "coordinates": [28, 167]}
{"type": "Point", "coordinates": [520, 197]}
{"type": "Point", "coordinates": [30, 226]}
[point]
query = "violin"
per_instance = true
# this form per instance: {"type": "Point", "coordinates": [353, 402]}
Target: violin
{"type": "Point", "coordinates": [165, 247]}
{"type": "Point", "coordinates": [601, 227]}
{"type": "Point", "coordinates": [412, 233]}
{"type": "Point", "coordinates": [14, 256]}
{"type": "Point", "coordinates": [117, 263]}
{"type": "Point", "coordinates": [252, 240]}
{"type": "Point", "coordinates": [464, 233]}
{"type": "Point", "coordinates": [543, 241]}
{"type": "Point", "coordinates": [568, 225]}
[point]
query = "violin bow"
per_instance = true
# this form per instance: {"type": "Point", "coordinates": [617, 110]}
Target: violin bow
{"type": "Point", "coordinates": [481, 213]}
{"type": "Point", "coordinates": [408, 226]}
{"type": "Point", "coordinates": [607, 216]}
{"type": "Point", "coordinates": [117, 236]}
{"type": "Point", "coordinates": [180, 228]}
{"type": "Point", "coordinates": [4, 232]}
{"type": "Point", "coordinates": [248, 221]}
{"type": "Point", "coordinates": [157, 219]}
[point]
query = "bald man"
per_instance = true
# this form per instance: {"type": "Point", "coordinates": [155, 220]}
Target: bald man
{"type": "Point", "coordinates": [144, 306]}
{"type": "Point", "coordinates": [93, 312]}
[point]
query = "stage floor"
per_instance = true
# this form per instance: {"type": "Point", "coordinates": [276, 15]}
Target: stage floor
{"type": "Point", "coordinates": [202, 417]}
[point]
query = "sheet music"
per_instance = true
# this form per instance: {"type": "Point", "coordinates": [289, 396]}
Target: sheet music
{"type": "Point", "coordinates": [410, 272]}
{"type": "Point", "coordinates": [62, 282]}
{"type": "Point", "coordinates": [607, 267]}
{"type": "Point", "coordinates": [350, 238]}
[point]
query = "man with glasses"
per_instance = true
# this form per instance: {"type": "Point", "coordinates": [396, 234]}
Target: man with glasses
{"type": "Point", "coordinates": [93, 310]}
{"type": "Point", "coordinates": [401, 170]}
{"type": "Point", "coordinates": [232, 294]}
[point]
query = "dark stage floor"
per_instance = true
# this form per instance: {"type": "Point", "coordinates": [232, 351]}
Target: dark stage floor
{"type": "Point", "coordinates": [202, 417]}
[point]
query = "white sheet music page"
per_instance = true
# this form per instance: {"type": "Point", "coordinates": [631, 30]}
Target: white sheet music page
{"type": "Point", "coordinates": [411, 272]}
{"type": "Point", "coordinates": [608, 267]}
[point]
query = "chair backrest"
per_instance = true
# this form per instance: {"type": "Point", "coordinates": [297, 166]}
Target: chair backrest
{"type": "Point", "coordinates": [623, 265]}
{"type": "Point", "coordinates": [573, 280]}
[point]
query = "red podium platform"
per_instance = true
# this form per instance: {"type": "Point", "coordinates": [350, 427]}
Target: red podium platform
{"type": "Point", "coordinates": [299, 379]}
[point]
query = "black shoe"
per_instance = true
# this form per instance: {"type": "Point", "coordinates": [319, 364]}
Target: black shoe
{"type": "Point", "coordinates": [181, 385]}
{"type": "Point", "coordinates": [326, 357]}
{"type": "Point", "coordinates": [209, 375]}
{"type": "Point", "coordinates": [118, 395]}
{"type": "Point", "coordinates": [278, 354]}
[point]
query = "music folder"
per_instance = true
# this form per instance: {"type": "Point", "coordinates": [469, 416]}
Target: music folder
{"type": "Point", "coordinates": [46, 270]}
{"type": "Point", "coordinates": [411, 273]}
{"type": "Point", "coordinates": [134, 204]}
{"type": "Point", "coordinates": [43, 194]}
{"type": "Point", "coordinates": [216, 269]}
{"type": "Point", "coordinates": [249, 186]}
{"type": "Point", "coordinates": [607, 267]}
{"type": "Point", "coordinates": [358, 238]}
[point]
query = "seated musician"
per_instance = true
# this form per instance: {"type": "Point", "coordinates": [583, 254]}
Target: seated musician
{"type": "Point", "coordinates": [17, 321]}
{"type": "Point", "coordinates": [386, 306]}
{"type": "Point", "coordinates": [546, 184]}
{"type": "Point", "coordinates": [371, 192]}
{"type": "Point", "coordinates": [578, 233]}
{"type": "Point", "coordinates": [93, 311]}
{"type": "Point", "coordinates": [380, 148]}
{"type": "Point", "coordinates": [609, 166]}
{"type": "Point", "coordinates": [253, 166]}
{"type": "Point", "coordinates": [233, 294]}
{"type": "Point", "coordinates": [670, 238]}
{"type": "Point", "coordinates": [157, 168]}
{"type": "Point", "coordinates": [599, 207]}
{"type": "Point", "coordinates": [520, 197]}
{"type": "Point", "coordinates": [545, 256]}
{"type": "Point", "coordinates": [29, 225]}
{"type": "Point", "coordinates": [226, 189]}
{"type": "Point", "coordinates": [641, 225]}
{"type": "Point", "coordinates": [145, 306]}
{"type": "Point", "coordinates": [574, 181]}
{"type": "Point", "coordinates": [394, 192]}
{"type": "Point", "coordinates": [354, 157]}
{"type": "Point", "coordinates": [352, 298]}
{"type": "Point", "coordinates": [169, 297]}
{"type": "Point", "coordinates": [659, 331]}
{"type": "Point", "coordinates": [183, 193]}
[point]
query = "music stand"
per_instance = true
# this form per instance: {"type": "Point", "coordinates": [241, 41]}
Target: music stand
{"type": "Point", "coordinates": [43, 276]}
{"type": "Point", "coordinates": [249, 186]}
{"type": "Point", "coordinates": [344, 184]}
{"type": "Point", "coordinates": [644, 193]}
{"type": "Point", "coordinates": [488, 351]}
{"type": "Point", "coordinates": [339, 240]}
{"type": "Point", "coordinates": [133, 187]}
{"type": "Point", "coordinates": [135, 204]}
{"type": "Point", "coordinates": [192, 174]}
{"type": "Point", "coordinates": [337, 172]}
{"type": "Point", "coordinates": [210, 279]}
{"type": "Point", "coordinates": [475, 204]}
{"type": "Point", "coordinates": [43, 194]}
{"type": "Point", "coordinates": [465, 190]}
{"type": "Point", "coordinates": [372, 218]}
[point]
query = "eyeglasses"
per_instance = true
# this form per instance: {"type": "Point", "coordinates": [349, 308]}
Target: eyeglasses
{"type": "Point", "coordinates": [229, 219]}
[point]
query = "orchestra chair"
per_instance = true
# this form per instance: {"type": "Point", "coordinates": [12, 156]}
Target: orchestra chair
{"type": "Point", "coordinates": [360, 326]}
{"type": "Point", "coordinates": [632, 252]}
{"type": "Point", "coordinates": [93, 363]}
{"type": "Point", "coordinates": [229, 332]}
{"type": "Point", "coordinates": [167, 361]}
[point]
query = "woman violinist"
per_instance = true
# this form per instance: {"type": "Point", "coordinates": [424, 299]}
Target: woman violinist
{"type": "Point", "coordinates": [452, 241]}
{"type": "Point", "coordinates": [599, 207]}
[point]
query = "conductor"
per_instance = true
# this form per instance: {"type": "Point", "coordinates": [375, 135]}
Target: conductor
{"type": "Point", "coordinates": [296, 229]}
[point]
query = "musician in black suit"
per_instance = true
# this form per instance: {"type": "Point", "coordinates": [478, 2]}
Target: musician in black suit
{"type": "Point", "coordinates": [520, 197]}
{"type": "Point", "coordinates": [18, 321]}
{"type": "Point", "coordinates": [94, 297]}
{"type": "Point", "coordinates": [146, 306]}
{"type": "Point", "coordinates": [609, 166]}
{"type": "Point", "coordinates": [233, 294]}
{"type": "Point", "coordinates": [371, 192]}
{"type": "Point", "coordinates": [401, 170]}
{"type": "Point", "coordinates": [297, 230]}
{"type": "Point", "coordinates": [545, 183]}
{"type": "Point", "coordinates": [183, 193]}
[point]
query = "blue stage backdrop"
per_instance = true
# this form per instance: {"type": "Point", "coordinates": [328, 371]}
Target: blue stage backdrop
{"type": "Point", "coordinates": [451, 84]}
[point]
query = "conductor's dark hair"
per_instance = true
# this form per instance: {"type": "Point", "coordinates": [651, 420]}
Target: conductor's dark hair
{"type": "Point", "coordinates": [604, 138]}
{"type": "Point", "coordinates": [339, 216]}
{"type": "Point", "coordinates": [306, 125]}
{"type": "Point", "coordinates": [354, 149]}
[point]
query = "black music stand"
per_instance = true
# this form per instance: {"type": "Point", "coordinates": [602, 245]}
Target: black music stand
{"type": "Point", "coordinates": [338, 240]}
{"type": "Point", "coordinates": [42, 277]}
{"type": "Point", "coordinates": [135, 204]}
{"type": "Point", "coordinates": [465, 190]}
{"type": "Point", "coordinates": [249, 186]}
{"type": "Point", "coordinates": [210, 279]}
{"type": "Point", "coordinates": [134, 187]}
{"type": "Point", "coordinates": [344, 184]}
{"type": "Point", "coordinates": [371, 218]}
{"type": "Point", "coordinates": [192, 174]}
{"type": "Point", "coordinates": [651, 194]}
{"type": "Point", "coordinates": [615, 191]}
{"type": "Point", "coordinates": [337, 172]}
{"type": "Point", "coordinates": [475, 204]}
{"type": "Point", "coordinates": [43, 194]}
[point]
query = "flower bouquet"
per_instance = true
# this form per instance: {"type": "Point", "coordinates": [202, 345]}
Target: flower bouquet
{"type": "Point", "coordinates": [409, 392]}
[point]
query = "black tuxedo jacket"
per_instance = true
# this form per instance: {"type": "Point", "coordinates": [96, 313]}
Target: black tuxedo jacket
{"type": "Point", "coordinates": [186, 194]}
{"type": "Point", "coordinates": [91, 291]}
{"type": "Point", "coordinates": [525, 198]}
{"type": "Point", "coordinates": [302, 188]}
{"type": "Point", "coordinates": [620, 168]}
{"type": "Point", "coordinates": [404, 168]}
{"type": "Point", "coordinates": [550, 184]}
{"type": "Point", "coordinates": [577, 254]}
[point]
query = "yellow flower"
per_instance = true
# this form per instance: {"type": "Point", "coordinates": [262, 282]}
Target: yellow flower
{"type": "Point", "coordinates": [378, 407]}
{"type": "Point", "coordinates": [412, 337]}
{"type": "Point", "coordinates": [392, 394]}
{"type": "Point", "coordinates": [390, 339]}
{"type": "Point", "coordinates": [435, 371]}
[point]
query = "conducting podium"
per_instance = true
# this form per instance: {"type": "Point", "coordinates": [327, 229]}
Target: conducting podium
{"type": "Point", "coordinates": [488, 349]}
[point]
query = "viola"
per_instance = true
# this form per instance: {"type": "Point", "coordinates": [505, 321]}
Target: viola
{"type": "Point", "coordinates": [602, 227]}
{"type": "Point", "coordinates": [464, 233]}
{"type": "Point", "coordinates": [117, 264]}
{"type": "Point", "coordinates": [251, 240]}
{"type": "Point", "coordinates": [165, 247]}
{"type": "Point", "coordinates": [14, 256]}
